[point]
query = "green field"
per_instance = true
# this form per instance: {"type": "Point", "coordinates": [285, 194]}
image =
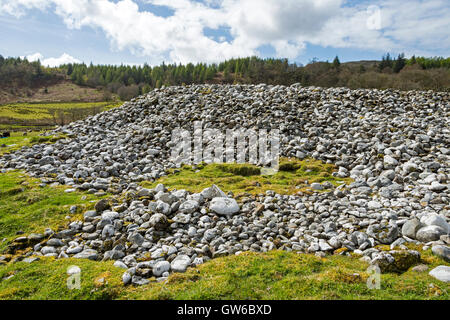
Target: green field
{"type": "Point", "coordinates": [29, 115]}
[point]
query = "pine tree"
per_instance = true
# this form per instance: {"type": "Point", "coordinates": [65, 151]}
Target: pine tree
{"type": "Point", "coordinates": [69, 69]}
{"type": "Point", "coordinates": [336, 63]}
{"type": "Point", "coordinates": [400, 63]}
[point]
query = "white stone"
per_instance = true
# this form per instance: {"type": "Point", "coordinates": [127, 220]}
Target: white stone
{"type": "Point", "coordinates": [224, 206]}
{"type": "Point", "coordinates": [180, 263]}
{"type": "Point", "coordinates": [73, 270]}
{"type": "Point", "coordinates": [161, 267]}
{"type": "Point", "coordinates": [120, 264]}
{"type": "Point", "coordinates": [189, 206]}
{"type": "Point", "coordinates": [442, 273]}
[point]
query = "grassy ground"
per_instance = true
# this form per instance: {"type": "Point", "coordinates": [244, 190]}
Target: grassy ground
{"type": "Point", "coordinates": [293, 176]}
{"type": "Point", "coordinates": [273, 275]}
{"type": "Point", "coordinates": [17, 140]}
{"type": "Point", "coordinates": [26, 115]}
{"type": "Point", "coordinates": [27, 207]}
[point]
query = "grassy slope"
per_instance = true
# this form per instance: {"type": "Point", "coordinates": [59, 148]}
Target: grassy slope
{"type": "Point", "coordinates": [59, 92]}
{"type": "Point", "coordinates": [26, 207]}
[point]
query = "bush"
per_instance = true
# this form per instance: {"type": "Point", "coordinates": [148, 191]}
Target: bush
{"type": "Point", "coordinates": [128, 92]}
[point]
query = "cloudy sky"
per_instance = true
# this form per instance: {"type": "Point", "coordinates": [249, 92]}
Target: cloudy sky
{"type": "Point", "coordinates": [152, 31]}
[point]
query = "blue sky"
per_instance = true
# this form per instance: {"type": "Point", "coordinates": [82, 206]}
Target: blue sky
{"type": "Point", "coordinates": [152, 31]}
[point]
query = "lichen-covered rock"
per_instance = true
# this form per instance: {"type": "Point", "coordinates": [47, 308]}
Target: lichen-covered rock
{"type": "Point", "coordinates": [385, 233]}
{"type": "Point", "coordinates": [404, 259]}
{"type": "Point", "coordinates": [396, 260]}
{"type": "Point", "coordinates": [136, 238]}
{"type": "Point", "coordinates": [159, 221]}
{"type": "Point", "coordinates": [102, 205]}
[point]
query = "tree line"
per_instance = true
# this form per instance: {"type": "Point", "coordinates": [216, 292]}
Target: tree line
{"type": "Point", "coordinates": [419, 73]}
{"type": "Point", "coordinates": [20, 72]}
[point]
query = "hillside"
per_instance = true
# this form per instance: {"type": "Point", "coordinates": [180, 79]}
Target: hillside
{"type": "Point", "coordinates": [61, 91]}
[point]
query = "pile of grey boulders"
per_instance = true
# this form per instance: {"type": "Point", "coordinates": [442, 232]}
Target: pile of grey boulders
{"type": "Point", "coordinates": [394, 145]}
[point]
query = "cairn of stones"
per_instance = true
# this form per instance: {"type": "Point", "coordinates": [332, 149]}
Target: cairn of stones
{"type": "Point", "coordinates": [394, 145]}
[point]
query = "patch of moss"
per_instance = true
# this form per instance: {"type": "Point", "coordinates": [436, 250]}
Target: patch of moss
{"type": "Point", "coordinates": [242, 178]}
{"type": "Point", "coordinates": [244, 170]}
{"type": "Point", "coordinates": [289, 166]}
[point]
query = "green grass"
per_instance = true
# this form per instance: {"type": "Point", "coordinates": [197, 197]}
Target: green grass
{"type": "Point", "coordinates": [47, 280]}
{"type": "Point", "coordinates": [34, 114]}
{"type": "Point", "coordinates": [27, 207]}
{"type": "Point", "coordinates": [272, 275]}
{"type": "Point", "coordinates": [294, 176]}
{"type": "Point", "coordinates": [17, 140]}
{"type": "Point", "coordinates": [27, 111]}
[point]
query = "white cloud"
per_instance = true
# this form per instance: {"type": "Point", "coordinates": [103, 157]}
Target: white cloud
{"type": "Point", "coordinates": [52, 62]}
{"type": "Point", "coordinates": [34, 57]}
{"type": "Point", "coordinates": [287, 25]}
{"type": "Point", "coordinates": [18, 8]}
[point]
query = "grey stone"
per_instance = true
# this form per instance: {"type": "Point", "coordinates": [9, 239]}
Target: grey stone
{"type": "Point", "coordinates": [385, 233]}
{"type": "Point", "coordinates": [213, 192]}
{"type": "Point", "coordinates": [90, 254]}
{"type": "Point", "coordinates": [136, 238]}
{"type": "Point", "coordinates": [159, 221]}
{"type": "Point", "coordinates": [429, 233]}
{"type": "Point", "coordinates": [410, 228]}
{"type": "Point", "coordinates": [442, 251]}
{"type": "Point", "coordinates": [188, 207]}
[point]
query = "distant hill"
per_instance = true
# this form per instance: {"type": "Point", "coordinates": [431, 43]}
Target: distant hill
{"type": "Point", "coordinates": [60, 91]}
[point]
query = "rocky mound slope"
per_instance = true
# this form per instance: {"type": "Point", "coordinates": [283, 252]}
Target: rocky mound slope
{"type": "Point", "coordinates": [395, 145]}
